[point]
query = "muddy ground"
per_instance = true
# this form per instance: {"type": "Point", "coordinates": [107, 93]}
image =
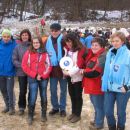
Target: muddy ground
{"type": "Point", "coordinates": [17, 122]}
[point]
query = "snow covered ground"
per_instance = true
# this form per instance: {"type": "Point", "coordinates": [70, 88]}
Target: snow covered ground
{"type": "Point", "coordinates": [15, 25]}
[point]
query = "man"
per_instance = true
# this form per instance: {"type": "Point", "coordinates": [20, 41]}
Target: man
{"type": "Point", "coordinates": [7, 71]}
{"type": "Point", "coordinates": [88, 40]}
{"type": "Point", "coordinates": [55, 50]}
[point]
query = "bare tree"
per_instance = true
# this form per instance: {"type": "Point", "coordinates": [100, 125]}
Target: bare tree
{"type": "Point", "coordinates": [22, 9]}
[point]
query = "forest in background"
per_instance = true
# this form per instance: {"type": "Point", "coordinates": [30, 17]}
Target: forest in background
{"type": "Point", "coordinates": [71, 10]}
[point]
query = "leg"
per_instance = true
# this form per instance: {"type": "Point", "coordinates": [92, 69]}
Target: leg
{"type": "Point", "coordinates": [77, 89]}
{"type": "Point", "coordinates": [122, 100]}
{"type": "Point", "coordinates": [3, 89]}
{"type": "Point", "coordinates": [71, 94]}
{"type": "Point", "coordinates": [10, 90]}
{"type": "Point", "coordinates": [33, 90]}
{"type": "Point", "coordinates": [54, 97]}
{"type": "Point", "coordinates": [78, 98]}
{"type": "Point", "coordinates": [109, 101]}
{"type": "Point", "coordinates": [63, 93]}
{"type": "Point", "coordinates": [93, 121]}
{"type": "Point", "coordinates": [98, 103]}
{"type": "Point", "coordinates": [43, 95]}
{"type": "Point", "coordinates": [22, 92]}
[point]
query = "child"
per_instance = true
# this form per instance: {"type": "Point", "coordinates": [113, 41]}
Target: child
{"type": "Point", "coordinates": [36, 65]}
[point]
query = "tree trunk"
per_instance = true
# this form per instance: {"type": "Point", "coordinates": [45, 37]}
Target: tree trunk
{"type": "Point", "coordinates": [22, 9]}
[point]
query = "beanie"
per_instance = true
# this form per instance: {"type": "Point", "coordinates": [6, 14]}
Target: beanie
{"type": "Point", "coordinates": [55, 26]}
{"type": "Point", "coordinates": [6, 31]}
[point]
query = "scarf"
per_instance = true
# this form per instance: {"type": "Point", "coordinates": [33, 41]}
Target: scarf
{"type": "Point", "coordinates": [51, 51]}
{"type": "Point", "coordinates": [107, 71]}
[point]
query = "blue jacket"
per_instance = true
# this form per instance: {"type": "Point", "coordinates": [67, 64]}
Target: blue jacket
{"type": "Point", "coordinates": [82, 40]}
{"type": "Point", "coordinates": [88, 41]}
{"type": "Point", "coordinates": [117, 70]}
{"type": "Point", "coordinates": [6, 65]}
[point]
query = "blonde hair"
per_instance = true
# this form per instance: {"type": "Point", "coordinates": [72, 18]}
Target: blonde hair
{"type": "Point", "coordinates": [120, 35]}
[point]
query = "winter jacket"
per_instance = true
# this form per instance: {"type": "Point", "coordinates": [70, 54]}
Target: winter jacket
{"type": "Point", "coordinates": [35, 63]}
{"type": "Point", "coordinates": [88, 41]}
{"type": "Point", "coordinates": [93, 72]}
{"type": "Point", "coordinates": [18, 53]}
{"type": "Point", "coordinates": [78, 64]}
{"type": "Point", "coordinates": [6, 65]}
{"type": "Point", "coordinates": [56, 70]}
{"type": "Point", "coordinates": [117, 70]}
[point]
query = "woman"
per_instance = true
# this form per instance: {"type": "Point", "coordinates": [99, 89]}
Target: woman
{"type": "Point", "coordinates": [116, 81]}
{"type": "Point", "coordinates": [36, 65]}
{"type": "Point", "coordinates": [75, 51]}
{"type": "Point", "coordinates": [7, 71]}
{"type": "Point", "coordinates": [19, 51]}
{"type": "Point", "coordinates": [95, 61]}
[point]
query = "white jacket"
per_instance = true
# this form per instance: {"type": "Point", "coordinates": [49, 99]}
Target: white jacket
{"type": "Point", "coordinates": [74, 72]}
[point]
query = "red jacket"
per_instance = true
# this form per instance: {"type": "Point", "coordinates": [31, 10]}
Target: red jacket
{"type": "Point", "coordinates": [94, 62]}
{"type": "Point", "coordinates": [36, 63]}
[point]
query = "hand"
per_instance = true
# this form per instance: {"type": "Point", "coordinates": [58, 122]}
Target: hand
{"type": "Point", "coordinates": [82, 71]}
{"type": "Point", "coordinates": [123, 90]}
{"type": "Point", "coordinates": [65, 72]}
{"type": "Point", "coordinates": [38, 77]}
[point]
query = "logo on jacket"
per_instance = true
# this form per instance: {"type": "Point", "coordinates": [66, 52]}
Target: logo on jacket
{"type": "Point", "coordinates": [116, 68]}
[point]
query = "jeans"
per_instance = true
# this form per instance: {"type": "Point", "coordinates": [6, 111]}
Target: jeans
{"type": "Point", "coordinates": [121, 100]}
{"type": "Point", "coordinates": [7, 90]}
{"type": "Point", "coordinates": [33, 91]}
{"type": "Point", "coordinates": [98, 104]}
{"type": "Point", "coordinates": [63, 92]}
{"type": "Point", "coordinates": [22, 92]}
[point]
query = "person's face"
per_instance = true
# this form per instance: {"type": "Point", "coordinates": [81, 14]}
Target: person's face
{"type": "Point", "coordinates": [6, 37]}
{"type": "Point", "coordinates": [95, 47]}
{"type": "Point", "coordinates": [117, 42]}
{"type": "Point", "coordinates": [25, 37]}
{"type": "Point", "coordinates": [36, 44]}
{"type": "Point", "coordinates": [55, 33]}
{"type": "Point", "coordinates": [69, 44]}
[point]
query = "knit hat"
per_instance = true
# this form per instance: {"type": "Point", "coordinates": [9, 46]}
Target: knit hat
{"type": "Point", "coordinates": [6, 31]}
{"type": "Point", "coordinates": [55, 26]}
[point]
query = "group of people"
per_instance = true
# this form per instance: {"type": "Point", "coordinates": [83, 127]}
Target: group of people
{"type": "Point", "coordinates": [104, 75]}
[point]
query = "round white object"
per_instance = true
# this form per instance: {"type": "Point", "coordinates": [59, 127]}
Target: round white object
{"type": "Point", "coordinates": [66, 63]}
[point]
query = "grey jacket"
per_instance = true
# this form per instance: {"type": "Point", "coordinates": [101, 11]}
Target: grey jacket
{"type": "Point", "coordinates": [18, 54]}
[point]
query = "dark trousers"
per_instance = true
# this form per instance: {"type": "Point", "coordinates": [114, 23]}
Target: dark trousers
{"type": "Point", "coordinates": [22, 92]}
{"type": "Point", "coordinates": [7, 90]}
{"type": "Point", "coordinates": [75, 92]}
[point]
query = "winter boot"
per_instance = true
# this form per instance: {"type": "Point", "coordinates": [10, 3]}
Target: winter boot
{"type": "Point", "coordinates": [5, 110]}
{"type": "Point", "coordinates": [120, 128]}
{"type": "Point", "coordinates": [30, 115]}
{"type": "Point", "coordinates": [11, 111]}
{"type": "Point", "coordinates": [44, 109]}
{"type": "Point", "coordinates": [112, 127]}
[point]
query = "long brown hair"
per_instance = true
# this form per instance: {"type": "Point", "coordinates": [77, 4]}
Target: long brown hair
{"type": "Point", "coordinates": [76, 44]}
{"type": "Point", "coordinates": [42, 46]}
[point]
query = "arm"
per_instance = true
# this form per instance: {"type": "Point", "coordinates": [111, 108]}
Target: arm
{"type": "Point", "coordinates": [48, 68]}
{"type": "Point", "coordinates": [95, 68]}
{"type": "Point", "coordinates": [26, 66]}
{"type": "Point", "coordinates": [15, 58]}
{"type": "Point", "coordinates": [92, 74]}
